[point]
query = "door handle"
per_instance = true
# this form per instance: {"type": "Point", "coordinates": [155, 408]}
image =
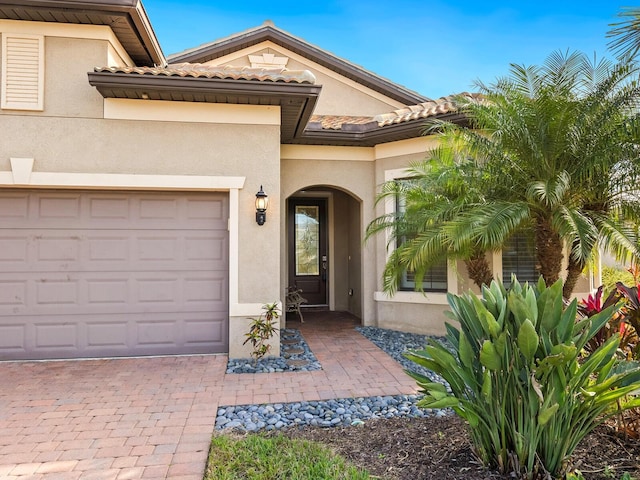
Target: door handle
{"type": "Point", "coordinates": [324, 268]}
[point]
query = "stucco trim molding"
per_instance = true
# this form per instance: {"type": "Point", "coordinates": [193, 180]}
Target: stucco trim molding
{"type": "Point", "coordinates": [248, 309]}
{"type": "Point", "coordinates": [22, 176]}
{"type": "Point", "coordinates": [412, 297]}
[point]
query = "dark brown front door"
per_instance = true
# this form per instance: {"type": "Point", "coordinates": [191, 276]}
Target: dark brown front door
{"type": "Point", "coordinates": [308, 248]}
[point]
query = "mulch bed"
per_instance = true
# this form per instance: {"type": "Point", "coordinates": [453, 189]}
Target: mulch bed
{"type": "Point", "coordinates": [439, 449]}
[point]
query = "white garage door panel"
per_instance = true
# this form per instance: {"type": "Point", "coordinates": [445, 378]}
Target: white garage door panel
{"type": "Point", "coordinates": [87, 274]}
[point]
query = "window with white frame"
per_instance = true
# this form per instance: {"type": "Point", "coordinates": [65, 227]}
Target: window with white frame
{"type": "Point", "coordinates": [435, 278]}
{"type": "Point", "coordinates": [518, 257]}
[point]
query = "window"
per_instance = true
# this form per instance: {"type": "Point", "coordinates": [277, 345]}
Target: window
{"type": "Point", "coordinates": [518, 257]}
{"type": "Point", "coordinates": [22, 72]}
{"type": "Point", "coordinates": [307, 238]}
{"type": "Point", "coordinates": [435, 279]}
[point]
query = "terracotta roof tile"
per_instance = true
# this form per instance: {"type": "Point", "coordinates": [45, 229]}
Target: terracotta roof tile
{"type": "Point", "coordinates": [412, 112]}
{"type": "Point", "coordinates": [199, 70]}
{"type": "Point", "coordinates": [335, 122]}
{"type": "Point", "coordinates": [424, 110]}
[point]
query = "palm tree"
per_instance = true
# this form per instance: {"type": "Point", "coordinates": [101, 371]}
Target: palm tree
{"type": "Point", "coordinates": [565, 132]}
{"type": "Point", "coordinates": [552, 149]}
{"type": "Point", "coordinates": [625, 34]}
{"type": "Point", "coordinates": [433, 193]}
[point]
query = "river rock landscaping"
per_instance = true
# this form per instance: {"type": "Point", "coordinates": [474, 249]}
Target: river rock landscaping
{"type": "Point", "coordinates": [295, 356]}
{"type": "Point", "coordinates": [344, 411]}
{"type": "Point", "coordinates": [395, 440]}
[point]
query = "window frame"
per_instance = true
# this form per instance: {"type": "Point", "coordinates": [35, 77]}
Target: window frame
{"type": "Point", "coordinates": [410, 295]}
{"type": "Point", "coordinates": [408, 285]}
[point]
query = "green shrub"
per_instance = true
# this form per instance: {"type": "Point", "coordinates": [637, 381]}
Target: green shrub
{"type": "Point", "coordinates": [261, 330]}
{"type": "Point", "coordinates": [516, 378]}
{"type": "Point", "coordinates": [612, 275]}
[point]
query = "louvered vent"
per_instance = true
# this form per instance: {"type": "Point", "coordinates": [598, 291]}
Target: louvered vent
{"type": "Point", "coordinates": [22, 72]}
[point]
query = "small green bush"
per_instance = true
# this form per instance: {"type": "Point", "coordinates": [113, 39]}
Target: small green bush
{"type": "Point", "coordinates": [612, 275]}
{"type": "Point", "coordinates": [518, 380]}
{"type": "Point", "coordinates": [261, 330]}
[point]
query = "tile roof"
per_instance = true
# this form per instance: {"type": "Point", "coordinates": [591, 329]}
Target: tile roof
{"type": "Point", "coordinates": [199, 70]}
{"type": "Point", "coordinates": [431, 108]}
{"type": "Point", "coordinates": [335, 122]}
{"type": "Point", "coordinates": [422, 110]}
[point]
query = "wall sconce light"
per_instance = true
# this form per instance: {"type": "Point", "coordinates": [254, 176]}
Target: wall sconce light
{"type": "Point", "coordinates": [262, 202]}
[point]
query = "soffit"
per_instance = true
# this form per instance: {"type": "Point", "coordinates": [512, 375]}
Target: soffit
{"type": "Point", "coordinates": [401, 124]}
{"type": "Point", "coordinates": [293, 91]}
{"type": "Point", "coordinates": [126, 18]}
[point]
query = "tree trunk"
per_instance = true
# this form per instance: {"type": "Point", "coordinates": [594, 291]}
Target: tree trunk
{"type": "Point", "coordinates": [574, 270]}
{"type": "Point", "coordinates": [548, 251]}
{"type": "Point", "coordinates": [479, 269]}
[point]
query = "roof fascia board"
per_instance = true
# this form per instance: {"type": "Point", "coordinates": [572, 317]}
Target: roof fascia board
{"type": "Point", "coordinates": [201, 84]}
{"type": "Point", "coordinates": [370, 134]}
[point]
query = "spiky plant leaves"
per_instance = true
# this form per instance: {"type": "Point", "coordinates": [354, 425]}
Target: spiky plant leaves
{"type": "Point", "coordinates": [525, 393]}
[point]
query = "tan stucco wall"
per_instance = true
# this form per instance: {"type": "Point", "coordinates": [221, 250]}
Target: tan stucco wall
{"type": "Point", "coordinates": [409, 311]}
{"type": "Point", "coordinates": [67, 90]}
{"type": "Point", "coordinates": [415, 318]}
{"type": "Point", "coordinates": [340, 96]}
{"type": "Point", "coordinates": [167, 148]}
{"type": "Point", "coordinates": [356, 236]}
{"type": "Point", "coordinates": [356, 180]}
{"type": "Point", "coordinates": [68, 58]}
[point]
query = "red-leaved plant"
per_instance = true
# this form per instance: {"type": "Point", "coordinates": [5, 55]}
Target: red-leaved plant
{"type": "Point", "coordinates": [592, 305]}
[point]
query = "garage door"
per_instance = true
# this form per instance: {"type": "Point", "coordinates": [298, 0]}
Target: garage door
{"type": "Point", "coordinates": [91, 274]}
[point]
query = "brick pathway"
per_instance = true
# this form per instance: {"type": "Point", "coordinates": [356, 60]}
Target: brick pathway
{"type": "Point", "coordinates": [153, 417]}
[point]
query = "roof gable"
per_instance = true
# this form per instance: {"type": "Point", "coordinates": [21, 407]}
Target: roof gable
{"type": "Point", "coordinates": [268, 32]}
{"type": "Point", "coordinates": [340, 95]}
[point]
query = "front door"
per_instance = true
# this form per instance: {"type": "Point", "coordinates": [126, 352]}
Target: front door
{"type": "Point", "coordinates": [308, 256]}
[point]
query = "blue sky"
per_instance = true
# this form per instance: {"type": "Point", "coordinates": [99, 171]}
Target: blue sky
{"type": "Point", "coordinates": [435, 48]}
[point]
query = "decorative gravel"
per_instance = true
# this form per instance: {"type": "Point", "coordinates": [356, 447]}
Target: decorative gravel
{"type": "Point", "coordinates": [396, 343]}
{"type": "Point", "coordinates": [344, 411]}
{"type": "Point", "coordinates": [331, 413]}
{"type": "Point", "coordinates": [279, 364]}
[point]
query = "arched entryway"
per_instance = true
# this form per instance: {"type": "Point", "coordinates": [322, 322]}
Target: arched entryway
{"type": "Point", "coordinates": [324, 248]}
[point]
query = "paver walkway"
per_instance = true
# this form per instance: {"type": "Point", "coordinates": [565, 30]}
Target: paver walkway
{"type": "Point", "coordinates": [154, 417]}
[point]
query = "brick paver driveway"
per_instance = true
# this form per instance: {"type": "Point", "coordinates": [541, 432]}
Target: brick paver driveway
{"type": "Point", "coordinates": [108, 419]}
{"type": "Point", "coordinates": [154, 417]}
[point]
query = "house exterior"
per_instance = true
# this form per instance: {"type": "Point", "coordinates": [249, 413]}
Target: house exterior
{"type": "Point", "coordinates": [128, 182]}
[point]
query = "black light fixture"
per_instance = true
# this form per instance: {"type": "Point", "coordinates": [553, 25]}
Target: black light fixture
{"type": "Point", "coordinates": [262, 202]}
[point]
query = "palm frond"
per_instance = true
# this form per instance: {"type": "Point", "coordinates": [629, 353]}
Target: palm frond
{"type": "Point", "coordinates": [625, 34]}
